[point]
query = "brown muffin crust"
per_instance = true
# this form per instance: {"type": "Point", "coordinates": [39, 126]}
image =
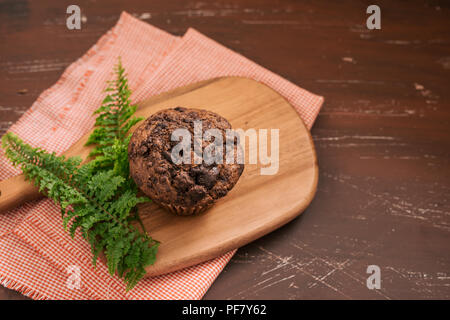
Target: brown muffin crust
{"type": "Point", "coordinates": [182, 188]}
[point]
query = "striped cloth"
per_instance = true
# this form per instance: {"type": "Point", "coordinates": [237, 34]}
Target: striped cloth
{"type": "Point", "coordinates": [35, 252]}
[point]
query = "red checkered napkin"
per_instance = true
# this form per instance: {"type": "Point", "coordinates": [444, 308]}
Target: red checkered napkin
{"type": "Point", "coordinates": [35, 252]}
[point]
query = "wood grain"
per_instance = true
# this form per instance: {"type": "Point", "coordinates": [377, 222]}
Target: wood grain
{"type": "Point", "coordinates": [382, 143]}
{"type": "Point", "coordinates": [257, 205]}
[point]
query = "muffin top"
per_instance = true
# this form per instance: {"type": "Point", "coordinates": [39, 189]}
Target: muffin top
{"type": "Point", "coordinates": [184, 185]}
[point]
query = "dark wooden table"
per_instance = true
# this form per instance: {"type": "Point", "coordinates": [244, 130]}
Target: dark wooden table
{"type": "Point", "coordinates": [382, 138]}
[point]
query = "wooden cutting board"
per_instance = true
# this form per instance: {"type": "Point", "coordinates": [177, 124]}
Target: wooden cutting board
{"type": "Point", "coordinates": [257, 205]}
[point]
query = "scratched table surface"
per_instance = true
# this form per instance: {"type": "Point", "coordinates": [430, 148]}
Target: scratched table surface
{"type": "Point", "coordinates": [382, 137]}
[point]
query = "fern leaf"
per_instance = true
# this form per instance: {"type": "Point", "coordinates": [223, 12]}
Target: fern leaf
{"type": "Point", "coordinates": [97, 198]}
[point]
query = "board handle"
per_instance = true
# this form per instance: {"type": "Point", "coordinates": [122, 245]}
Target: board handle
{"type": "Point", "coordinates": [16, 191]}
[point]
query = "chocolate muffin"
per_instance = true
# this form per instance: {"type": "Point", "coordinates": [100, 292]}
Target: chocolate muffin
{"type": "Point", "coordinates": [183, 187]}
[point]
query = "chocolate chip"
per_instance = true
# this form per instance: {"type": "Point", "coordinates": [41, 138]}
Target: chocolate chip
{"type": "Point", "coordinates": [167, 156]}
{"type": "Point", "coordinates": [159, 127]}
{"type": "Point", "coordinates": [196, 170]}
{"type": "Point", "coordinates": [208, 178]}
{"type": "Point", "coordinates": [143, 150]}
{"type": "Point", "coordinates": [197, 193]}
{"type": "Point", "coordinates": [183, 181]}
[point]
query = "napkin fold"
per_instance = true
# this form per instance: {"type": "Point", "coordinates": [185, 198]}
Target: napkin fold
{"type": "Point", "coordinates": [37, 257]}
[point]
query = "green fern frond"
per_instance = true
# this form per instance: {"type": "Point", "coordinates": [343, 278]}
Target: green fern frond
{"type": "Point", "coordinates": [114, 116]}
{"type": "Point", "coordinates": [98, 198]}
